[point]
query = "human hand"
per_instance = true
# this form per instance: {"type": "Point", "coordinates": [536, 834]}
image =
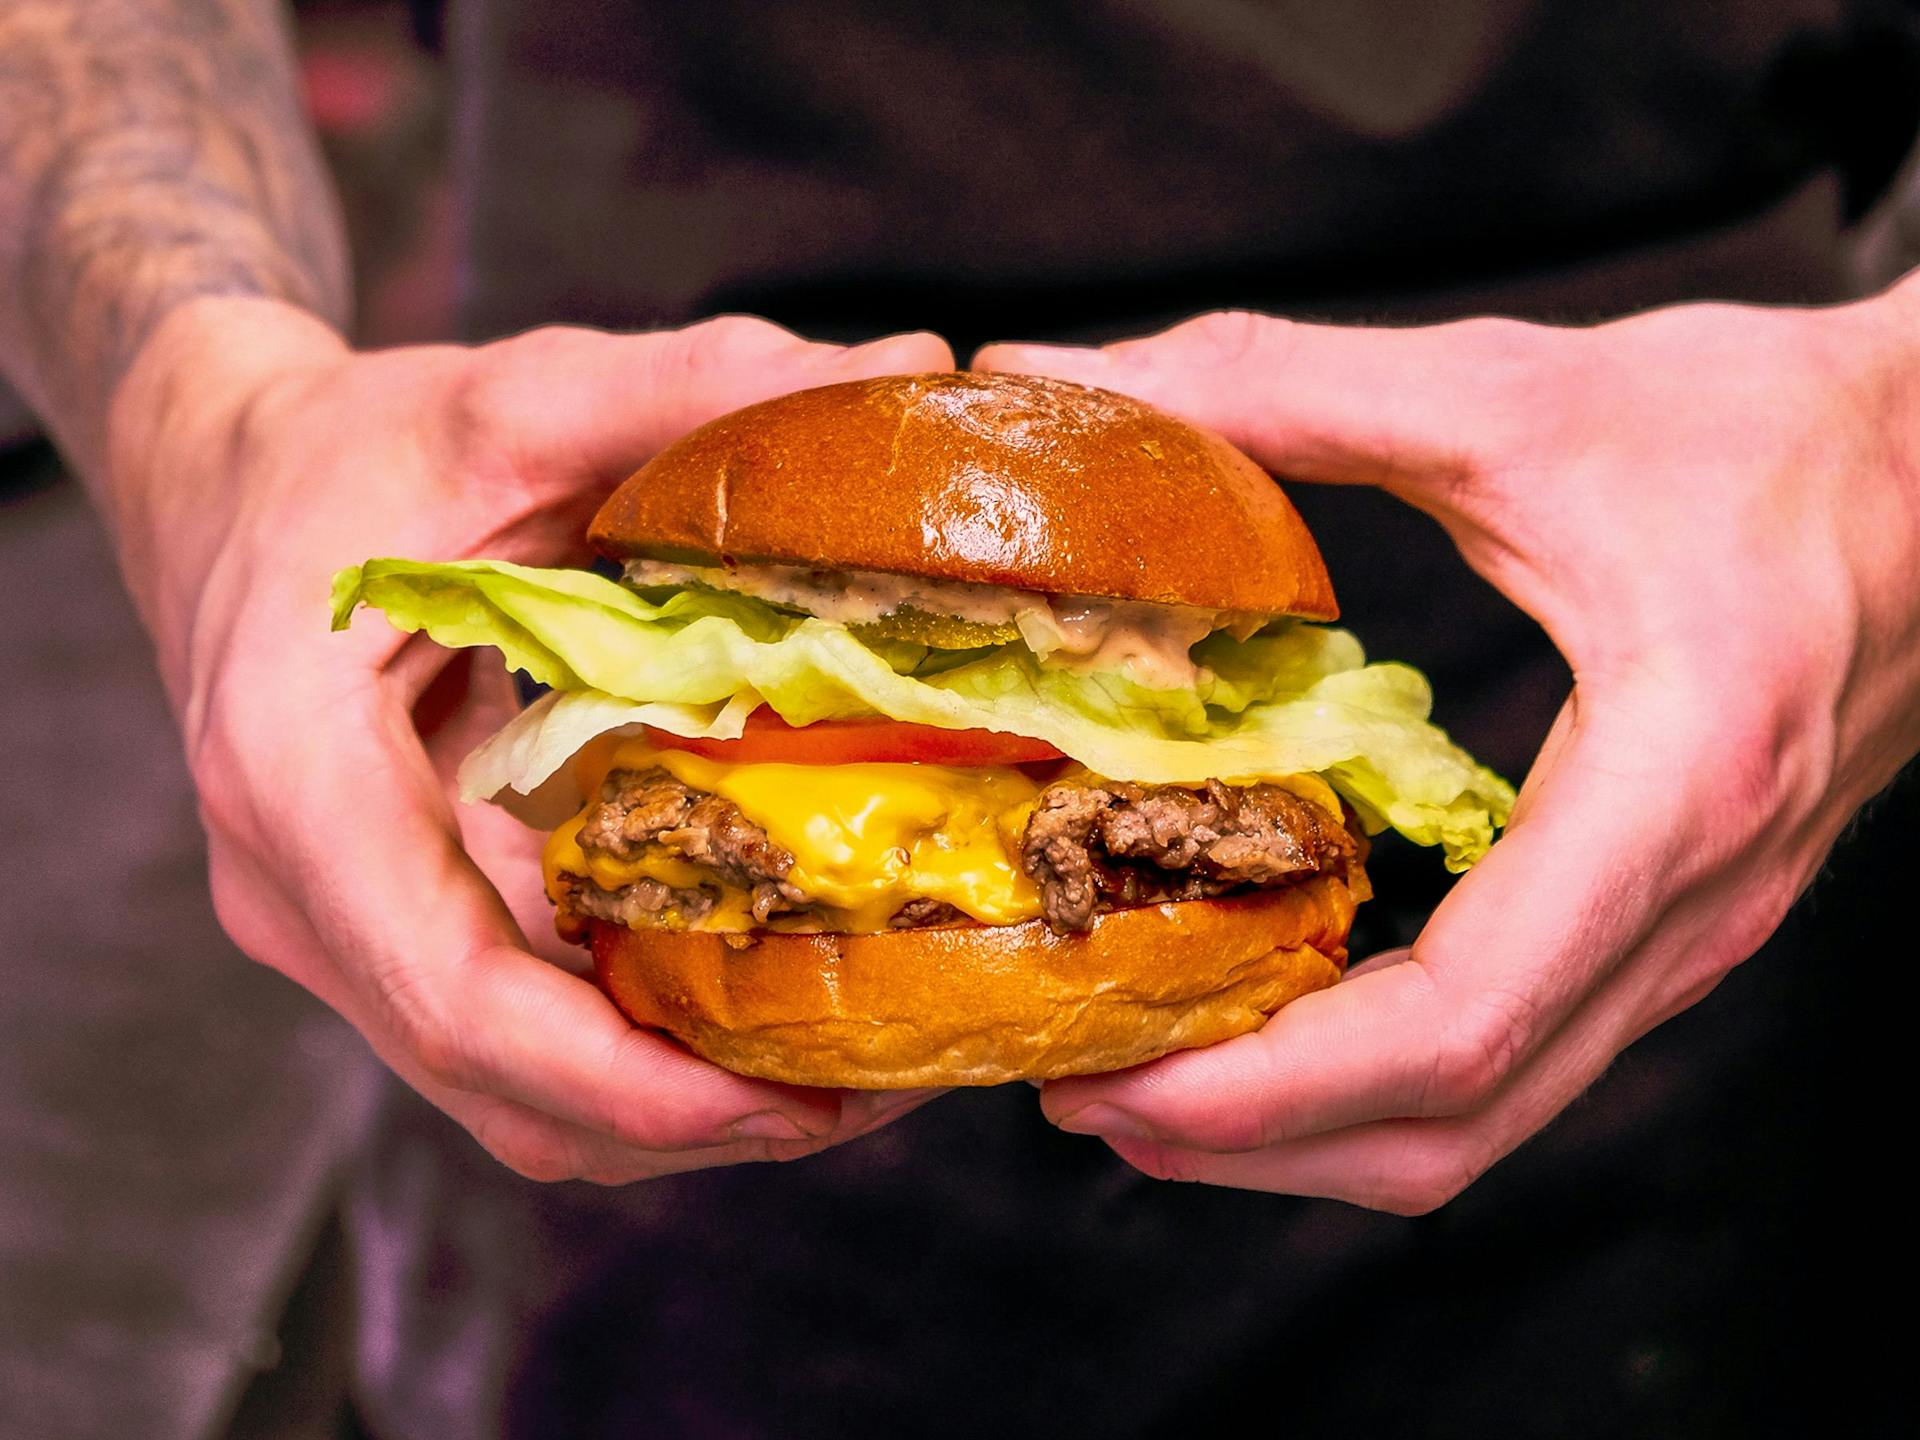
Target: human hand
{"type": "Point", "coordinates": [252, 455]}
{"type": "Point", "coordinates": [1713, 512]}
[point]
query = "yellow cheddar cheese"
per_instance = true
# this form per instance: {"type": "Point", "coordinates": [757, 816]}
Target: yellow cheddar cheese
{"type": "Point", "coordinates": [865, 838]}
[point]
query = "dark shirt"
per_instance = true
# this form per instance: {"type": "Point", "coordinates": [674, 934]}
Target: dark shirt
{"type": "Point", "coordinates": [992, 169]}
{"type": "Point", "coordinates": [998, 168]}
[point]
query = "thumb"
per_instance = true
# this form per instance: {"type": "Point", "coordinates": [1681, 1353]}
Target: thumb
{"type": "Point", "coordinates": [585, 400]}
{"type": "Point", "coordinates": [1407, 409]}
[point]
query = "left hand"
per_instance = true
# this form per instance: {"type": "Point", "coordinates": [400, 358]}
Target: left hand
{"type": "Point", "coordinates": [1714, 511]}
{"type": "Point", "coordinates": [254, 454]}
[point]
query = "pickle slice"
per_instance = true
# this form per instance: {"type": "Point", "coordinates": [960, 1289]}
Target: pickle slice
{"type": "Point", "coordinates": [936, 632]}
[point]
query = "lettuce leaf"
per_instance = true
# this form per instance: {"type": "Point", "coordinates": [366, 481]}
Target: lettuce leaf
{"type": "Point", "coordinates": [1294, 698]}
{"type": "Point", "coordinates": [523, 764]}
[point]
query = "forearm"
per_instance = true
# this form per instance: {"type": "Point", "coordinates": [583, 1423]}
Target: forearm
{"type": "Point", "coordinates": [151, 152]}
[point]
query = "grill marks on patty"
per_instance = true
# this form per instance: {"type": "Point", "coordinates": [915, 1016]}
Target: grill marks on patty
{"type": "Point", "coordinates": [1091, 846]}
{"type": "Point", "coordinates": [1105, 846]}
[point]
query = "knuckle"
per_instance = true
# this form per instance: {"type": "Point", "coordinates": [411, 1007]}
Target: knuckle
{"type": "Point", "coordinates": [217, 764]}
{"type": "Point", "coordinates": [1477, 1053]}
{"type": "Point", "coordinates": [547, 1164]}
{"type": "Point", "coordinates": [543, 1157]}
{"type": "Point", "coordinates": [675, 361]}
{"type": "Point", "coordinates": [1227, 337]}
{"type": "Point", "coordinates": [1523, 426]}
{"type": "Point", "coordinates": [1518, 383]}
{"type": "Point", "coordinates": [644, 1126]}
{"type": "Point", "coordinates": [237, 907]}
{"type": "Point", "coordinates": [1765, 900]}
{"type": "Point", "coordinates": [535, 351]}
{"type": "Point", "coordinates": [1157, 1161]}
{"type": "Point", "coordinates": [1739, 930]}
{"type": "Point", "coordinates": [783, 1152]}
{"type": "Point", "coordinates": [1458, 1080]}
{"type": "Point", "coordinates": [479, 403]}
{"type": "Point", "coordinates": [424, 1030]}
{"type": "Point", "coordinates": [440, 1058]}
{"type": "Point", "coordinates": [489, 392]}
{"type": "Point", "coordinates": [1769, 899]}
{"type": "Point", "coordinates": [720, 343]}
{"type": "Point", "coordinates": [1748, 774]}
{"type": "Point", "coordinates": [1500, 343]}
{"type": "Point", "coordinates": [224, 810]}
{"type": "Point", "coordinates": [1432, 1171]}
{"type": "Point", "coordinates": [1753, 775]}
{"type": "Point", "coordinates": [725, 331]}
{"type": "Point", "coordinates": [1418, 1196]}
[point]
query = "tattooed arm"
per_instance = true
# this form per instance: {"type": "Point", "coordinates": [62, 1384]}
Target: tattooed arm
{"type": "Point", "coordinates": [171, 280]}
{"type": "Point", "coordinates": [151, 152]}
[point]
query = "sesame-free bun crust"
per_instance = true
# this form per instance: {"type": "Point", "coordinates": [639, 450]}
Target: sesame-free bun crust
{"type": "Point", "coordinates": [978, 1005]}
{"type": "Point", "coordinates": [998, 479]}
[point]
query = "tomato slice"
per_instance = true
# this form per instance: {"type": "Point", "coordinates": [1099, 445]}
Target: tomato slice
{"type": "Point", "coordinates": [769, 740]}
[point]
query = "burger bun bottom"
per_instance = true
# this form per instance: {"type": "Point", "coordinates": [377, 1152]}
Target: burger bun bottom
{"type": "Point", "coordinates": [980, 1005]}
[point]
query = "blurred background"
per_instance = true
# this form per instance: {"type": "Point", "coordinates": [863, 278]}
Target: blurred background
{"type": "Point", "coordinates": [174, 1119]}
{"type": "Point", "coordinates": [176, 1125]}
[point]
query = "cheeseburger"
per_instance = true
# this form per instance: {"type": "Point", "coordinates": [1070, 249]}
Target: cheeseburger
{"type": "Point", "coordinates": [947, 730]}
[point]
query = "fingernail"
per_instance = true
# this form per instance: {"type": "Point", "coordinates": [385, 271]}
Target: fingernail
{"type": "Point", "coordinates": [1104, 1120]}
{"type": "Point", "coordinates": [769, 1125]}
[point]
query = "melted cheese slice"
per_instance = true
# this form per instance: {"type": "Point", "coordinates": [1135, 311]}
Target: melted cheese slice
{"type": "Point", "coordinates": [866, 839]}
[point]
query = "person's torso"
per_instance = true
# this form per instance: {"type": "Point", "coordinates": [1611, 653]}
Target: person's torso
{"type": "Point", "coordinates": [997, 169]}
{"type": "Point", "coordinates": [1011, 168]}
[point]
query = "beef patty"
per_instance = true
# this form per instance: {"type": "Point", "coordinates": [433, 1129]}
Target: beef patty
{"type": "Point", "coordinates": [1105, 845]}
{"type": "Point", "coordinates": [1091, 846]}
{"type": "Point", "coordinates": [642, 809]}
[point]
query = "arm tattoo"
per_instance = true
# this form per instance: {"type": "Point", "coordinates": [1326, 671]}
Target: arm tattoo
{"type": "Point", "coordinates": [151, 151]}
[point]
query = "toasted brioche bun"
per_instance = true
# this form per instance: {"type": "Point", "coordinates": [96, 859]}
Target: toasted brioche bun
{"type": "Point", "coordinates": [979, 1005]}
{"type": "Point", "coordinates": [997, 479]}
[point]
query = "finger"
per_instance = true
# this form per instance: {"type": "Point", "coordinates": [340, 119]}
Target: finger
{"type": "Point", "coordinates": [1459, 420]}
{"type": "Point", "coordinates": [464, 704]}
{"type": "Point", "coordinates": [1566, 894]}
{"type": "Point", "coordinates": [509, 855]}
{"type": "Point", "coordinates": [539, 1147]}
{"type": "Point", "coordinates": [1551, 750]}
{"type": "Point", "coordinates": [372, 858]}
{"type": "Point", "coordinates": [533, 1143]}
{"type": "Point", "coordinates": [1412, 1166]}
{"type": "Point", "coordinates": [1408, 1166]}
{"type": "Point", "coordinates": [528, 1141]}
{"type": "Point", "coordinates": [543, 1148]}
{"type": "Point", "coordinates": [574, 402]}
{"type": "Point", "coordinates": [1415, 410]}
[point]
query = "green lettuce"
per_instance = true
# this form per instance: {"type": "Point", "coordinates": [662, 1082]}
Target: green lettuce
{"type": "Point", "coordinates": [1294, 698]}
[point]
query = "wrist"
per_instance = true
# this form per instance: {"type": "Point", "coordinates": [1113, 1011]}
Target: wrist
{"type": "Point", "coordinates": [173, 479]}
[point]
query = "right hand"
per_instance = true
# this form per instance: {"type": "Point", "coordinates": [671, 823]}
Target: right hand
{"type": "Point", "coordinates": [252, 455]}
